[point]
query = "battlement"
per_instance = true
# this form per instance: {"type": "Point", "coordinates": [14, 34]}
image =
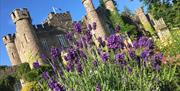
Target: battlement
{"type": "Point", "coordinates": [21, 13]}
{"type": "Point", "coordinates": [41, 27]}
{"type": "Point", "coordinates": [8, 38]}
{"type": "Point", "coordinates": [60, 16]}
{"type": "Point", "coordinates": [84, 1]}
{"type": "Point", "coordinates": [140, 11]}
{"type": "Point", "coordinates": [159, 24]}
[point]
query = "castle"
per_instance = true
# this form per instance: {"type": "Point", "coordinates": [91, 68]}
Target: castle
{"type": "Point", "coordinates": [30, 41]}
{"type": "Point", "coordinates": [155, 27]}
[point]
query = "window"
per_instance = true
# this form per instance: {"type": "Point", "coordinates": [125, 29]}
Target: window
{"type": "Point", "coordinates": [26, 39]}
{"type": "Point", "coordinates": [62, 41]}
{"type": "Point", "coordinates": [45, 44]}
{"type": "Point", "coordinates": [12, 55]}
{"type": "Point", "coordinates": [22, 45]}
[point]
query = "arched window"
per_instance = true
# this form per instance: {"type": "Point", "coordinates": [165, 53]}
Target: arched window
{"type": "Point", "coordinates": [62, 40]}
{"type": "Point", "coordinates": [45, 44]}
{"type": "Point", "coordinates": [26, 38]}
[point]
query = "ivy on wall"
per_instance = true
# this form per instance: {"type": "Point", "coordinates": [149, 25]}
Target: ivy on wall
{"type": "Point", "coordinates": [115, 19]}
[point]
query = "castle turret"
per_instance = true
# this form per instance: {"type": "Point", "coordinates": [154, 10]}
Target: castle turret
{"type": "Point", "coordinates": [11, 49]}
{"type": "Point", "coordinates": [109, 4]}
{"type": "Point", "coordinates": [28, 44]}
{"type": "Point", "coordinates": [144, 20]}
{"type": "Point", "coordinates": [92, 16]}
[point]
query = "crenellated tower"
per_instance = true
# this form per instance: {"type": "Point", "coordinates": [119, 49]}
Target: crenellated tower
{"type": "Point", "coordinates": [144, 20]}
{"type": "Point", "coordinates": [11, 49]}
{"type": "Point", "coordinates": [26, 41]}
{"type": "Point", "coordinates": [92, 16]}
{"type": "Point", "coordinates": [109, 4]}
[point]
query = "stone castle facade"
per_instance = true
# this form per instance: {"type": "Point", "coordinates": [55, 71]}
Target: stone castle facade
{"type": "Point", "coordinates": [30, 41]}
{"type": "Point", "coordinates": [154, 27]}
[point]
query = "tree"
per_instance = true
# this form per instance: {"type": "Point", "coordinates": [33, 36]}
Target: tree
{"type": "Point", "coordinates": [169, 10]}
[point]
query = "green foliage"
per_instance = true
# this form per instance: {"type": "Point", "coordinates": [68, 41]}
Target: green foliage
{"type": "Point", "coordinates": [31, 85]}
{"type": "Point", "coordinates": [7, 82]}
{"type": "Point", "coordinates": [170, 11]}
{"type": "Point", "coordinates": [3, 67]}
{"type": "Point", "coordinates": [31, 76]}
{"type": "Point", "coordinates": [22, 69]}
{"type": "Point", "coordinates": [148, 28]}
{"type": "Point", "coordinates": [171, 47]}
{"type": "Point", "coordinates": [112, 77]}
{"type": "Point", "coordinates": [126, 16]}
{"type": "Point", "coordinates": [34, 74]}
{"type": "Point", "coordinates": [116, 19]}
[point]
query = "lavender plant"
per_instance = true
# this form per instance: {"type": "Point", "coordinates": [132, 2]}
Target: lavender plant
{"type": "Point", "coordinates": [110, 66]}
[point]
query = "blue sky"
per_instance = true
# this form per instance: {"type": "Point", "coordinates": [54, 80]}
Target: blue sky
{"type": "Point", "coordinates": [39, 10]}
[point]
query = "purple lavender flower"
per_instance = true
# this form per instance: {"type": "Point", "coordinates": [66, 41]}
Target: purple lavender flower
{"type": "Point", "coordinates": [132, 54]}
{"type": "Point", "coordinates": [43, 56]}
{"type": "Point", "coordinates": [119, 56]}
{"type": "Point", "coordinates": [70, 66]}
{"type": "Point", "coordinates": [142, 41]}
{"type": "Point", "coordinates": [65, 57]}
{"type": "Point", "coordinates": [94, 25]}
{"type": "Point", "coordinates": [79, 68]}
{"type": "Point", "coordinates": [51, 84]}
{"type": "Point", "coordinates": [145, 54]}
{"type": "Point", "coordinates": [55, 86]}
{"type": "Point", "coordinates": [156, 65]}
{"type": "Point", "coordinates": [149, 44]}
{"type": "Point", "coordinates": [115, 42]}
{"type": "Point", "coordinates": [72, 54]}
{"type": "Point", "coordinates": [54, 67]}
{"type": "Point", "coordinates": [88, 36]}
{"type": "Point", "coordinates": [98, 87]}
{"type": "Point", "coordinates": [61, 72]}
{"type": "Point", "coordinates": [55, 53]}
{"type": "Point", "coordinates": [101, 42]}
{"type": "Point", "coordinates": [123, 63]}
{"type": "Point", "coordinates": [36, 65]}
{"type": "Point", "coordinates": [104, 56]}
{"type": "Point", "coordinates": [77, 27]}
{"type": "Point", "coordinates": [58, 87]}
{"type": "Point", "coordinates": [79, 44]}
{"type": "Point", "coordinates": [158, 57]}
{"type": "Point", "coordinates": [83, 39]}
{"type": "Point", "coordinates": [117, 29]}
{"type": "Point", "coordinates": [45, 75]}
{"type": "Point", "coordinates": [95, 63]}
{"type": "Point", "coordinates": [135, 44]}
{"type": "Point", "coordinates": [89, 27]}
{"type": "Point", "coordinates": [82, 55]}
{"type": "Point", "coordinates": [99, 50]}
{"type": "Point", "coordinates": [69, 36]}
{"type": "Point", "coordinates": [129, 69]}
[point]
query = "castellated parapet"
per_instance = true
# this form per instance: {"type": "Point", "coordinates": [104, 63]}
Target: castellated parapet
{"type": "Point", "coordinates": [11, 49]}
{"type": "Point", "coordinates": [63, 20]}
{"type": "Point", "coordinates": [19, 14]}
